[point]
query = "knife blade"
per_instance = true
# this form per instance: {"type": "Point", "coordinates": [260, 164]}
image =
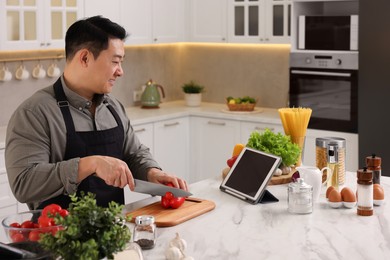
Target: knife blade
{"type": "Point", "coordinates": [158, 189]}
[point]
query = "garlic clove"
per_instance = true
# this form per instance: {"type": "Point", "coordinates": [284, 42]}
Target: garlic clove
{"type": "Point", "coordinates": [173, 253]}
{"type": "Point", "coordinates": [178, 242]}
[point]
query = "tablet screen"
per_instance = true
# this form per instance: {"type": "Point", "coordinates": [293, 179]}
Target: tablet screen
{"type": "Point", "coordinates": [250, 174]}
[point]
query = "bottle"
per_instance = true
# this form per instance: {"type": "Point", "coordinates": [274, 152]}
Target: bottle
{"type": "Point", "coordinates": [365, 193]}
{"type": "Point", "coordinates": [145, 231]}
{"type": "Point", "coordinates": [373, 163]}
{"type": "Point", "coordinates": [300, 197]}
{"type": "Point", "coordinates": [333, 164]}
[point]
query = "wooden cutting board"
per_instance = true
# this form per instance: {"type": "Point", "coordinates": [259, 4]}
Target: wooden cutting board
{"type": "Point", "coordinates": [282, 179]}
{"type": "Point", "coordinates": [171, 217]}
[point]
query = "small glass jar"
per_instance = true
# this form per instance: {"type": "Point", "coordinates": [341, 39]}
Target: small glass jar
{"type": "Point", "coordinates": [145, 231]}
{"type": "Point", "coordinates": [300, 197]}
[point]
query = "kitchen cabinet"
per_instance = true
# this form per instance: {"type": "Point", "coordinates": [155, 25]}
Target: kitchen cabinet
{"type": "Point", "coordinates": [208, 21]}
{"type": "Point", "coordinates": [211, 141]}
{"type": "Point", "coordinates": [37, 24]}
{"type": "Point", "coordinates": [171, 146]}
{"type": "Point", "coordinates": [351, 150]}
{"type": "Point", "coordinates": [109, 9]}
{"type": "Point", "coordinates": [145, 134]}
{"type": "Point", "coordinates": [248, 127]}
{"type": "Point", "coordinates": [153, 21]}
{"type": "Point", "coordinates": [259, 21]}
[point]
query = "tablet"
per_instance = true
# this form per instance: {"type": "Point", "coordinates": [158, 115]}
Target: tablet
{"type": "Point", "coordinates": [250, 174]}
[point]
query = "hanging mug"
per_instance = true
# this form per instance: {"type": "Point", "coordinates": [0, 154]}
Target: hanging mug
{"type": "Point", "coordinates": [53, 71]}
{"type": "Point", "coordinates": [38, 72]}
{"type": "Point", "coordinates": [5, 74]}
{"type": "Point", "coordinates": [22, 73]}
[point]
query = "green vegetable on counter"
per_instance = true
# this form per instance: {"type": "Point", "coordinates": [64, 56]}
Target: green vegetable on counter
{"type": "Point", "coordinates": [275, 143]}
{"type": "Point", "coordinates": [90, 231]}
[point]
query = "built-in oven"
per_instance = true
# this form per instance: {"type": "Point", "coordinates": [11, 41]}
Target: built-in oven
{"type": "Point", "coordinates": [328, 84]}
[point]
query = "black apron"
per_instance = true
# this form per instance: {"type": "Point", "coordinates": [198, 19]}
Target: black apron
{"type": "Point", "coordinates": [107, 142]}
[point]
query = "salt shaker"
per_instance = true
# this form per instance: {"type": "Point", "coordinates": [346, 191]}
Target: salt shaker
{"type": "Point", "coordinates": [300, 197]}
{"type": "Point", "coordinates": [365, 193]}
{"type": "Point", "coordinates": [145, 231]}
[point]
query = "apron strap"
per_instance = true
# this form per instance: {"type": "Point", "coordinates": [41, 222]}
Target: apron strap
{"type": "Point", "coordinates": [63, 104]}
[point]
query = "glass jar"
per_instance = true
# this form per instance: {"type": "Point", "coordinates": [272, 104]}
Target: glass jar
{"type": "Point", "coordinates": [300, 197]}
{"type": "Point", "coordinates": [145, 231]}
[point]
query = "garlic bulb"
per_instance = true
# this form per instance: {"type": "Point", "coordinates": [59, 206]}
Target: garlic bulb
{"type": "Point", "coordinates": [178, 242]}
{"type": "Point", "coordinates": [278, 172]}
{"type": "Point", "coordinates": [173, 253]}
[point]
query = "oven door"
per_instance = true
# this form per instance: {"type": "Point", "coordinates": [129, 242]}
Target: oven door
{"type": "Point", "coordinates": [330, 93]}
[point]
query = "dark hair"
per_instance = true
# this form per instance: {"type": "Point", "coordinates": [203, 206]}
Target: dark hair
{"type": "Point", "coordinates": [92, 33]}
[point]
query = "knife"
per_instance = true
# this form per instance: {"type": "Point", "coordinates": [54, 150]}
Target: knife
{"type": "Point", "coordinates": [158, 189]}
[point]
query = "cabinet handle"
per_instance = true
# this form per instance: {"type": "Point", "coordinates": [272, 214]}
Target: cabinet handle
{"type": "Point", "coordinates": [263, 128]}
{"type": "Point", "coordinates": [216, 123]}
{"type": "Point", "coordinates": [171, 124]}
{"type": "Point", "coordinates": [139, 130]}
{"type": "Point", "coordinates": [155, 39]}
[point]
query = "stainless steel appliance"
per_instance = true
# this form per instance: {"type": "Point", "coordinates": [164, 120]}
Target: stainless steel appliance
{"type": "Point", "coordinates": [322, 32]}
{"type": "Point", "coordinates": [328, 84]}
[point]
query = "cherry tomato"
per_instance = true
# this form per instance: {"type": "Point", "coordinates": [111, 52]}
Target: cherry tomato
{"type": "Point", "coordinates": [176, 202]}
{"type": "Point", "coordinates": [170, 184]}
{"type": "Point", "coordinates": [51, 210]}
{"type": "Point", "coordinates": [34, 235]}
{"type": "Point", "coordinates": [169, 195]}
{"type": "Point", "coordinates": [17, 237]}
{"type": "Point", "coordinates": [27, 224]}
{"type": "Point", "coordinates": [15, 224]}
{"type": "Point", "coordinates": [64, 213]}
{"type": "Point", "coordinates": [231, 161]}
{"type": "Point", "coordinates": [45, 221]}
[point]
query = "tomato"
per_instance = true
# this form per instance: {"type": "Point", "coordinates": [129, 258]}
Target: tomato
{"type": "Point", "coordinates": [165, 202]}
{"type": "Point", "coordinates": [17, 237]}
{"type": "Point", "coordinates": [170, 184]}
{"type": "Point", "coordinates": [176, 202]}
{"type": "Point", "coordinates": [51, 210]}
{"type": "Point", "coordinates": [231, 161]}
{"type": "Point", "coordinates": [170, 201]}
{"type": "Point", "coordinates": [64, 213]}
{"type": "Point", "coordinates": [45, 221]}
{"type": "Point", "coordinates": [34, 235]}
{"type": "Point", "coordinates": [15, 224]}
{"type": "Point", "coordinates": [27, 224]}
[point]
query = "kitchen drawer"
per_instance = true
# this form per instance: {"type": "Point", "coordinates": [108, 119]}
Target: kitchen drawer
{"type": "Point", "coordinates": [6, 196]}
{"type": "Point", "coordinates": [2, 161]}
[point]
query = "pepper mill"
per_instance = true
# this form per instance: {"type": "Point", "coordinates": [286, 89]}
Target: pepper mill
{"type": "Point", "coordinates": [373, 163]}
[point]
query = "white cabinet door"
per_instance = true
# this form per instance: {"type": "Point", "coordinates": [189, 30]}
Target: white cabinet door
{"type": "Point", "coordinates": [171, 146]}
{"type": "Point", "coordinates": [109, 9]}
{"type": "Point", "coordinates": [168, 20]}
{"type": "Point", "coordinates": [208, 21]}
{"type": "Point", "coordinates": [248, 127]}
{"type": "Point", "coordinates": [212, 143]}
{"type": "Point", "coordinates": [37, 24]}
{"type": "Point", "coordinates": [144, 133]}
{"type": "Point", "coordinates": [259, 21]}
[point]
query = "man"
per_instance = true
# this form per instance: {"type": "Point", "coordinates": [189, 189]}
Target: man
{"type": "Point", "coordinates": [73, 136]}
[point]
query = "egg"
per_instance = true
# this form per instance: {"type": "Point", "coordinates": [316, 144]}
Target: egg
{"type": "Point", "coordinates": [379, 193]}
{"type": "Point", "coordinates": [347, 195]}
{"type": "Point", "coordinates": [334, 196]}
{"type": "Point", "coordinates": [328, 191]}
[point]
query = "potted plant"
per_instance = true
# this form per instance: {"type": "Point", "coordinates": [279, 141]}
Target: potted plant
{"type": "Point", "coordinates": [193, 93]}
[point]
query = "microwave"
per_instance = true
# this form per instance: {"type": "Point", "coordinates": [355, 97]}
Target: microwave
{"type": "Point", "coordinates": [328, 33]}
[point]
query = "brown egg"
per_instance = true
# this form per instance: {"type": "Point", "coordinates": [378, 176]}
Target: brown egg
{"type": "Point", "coordinates": [334, 196]}
{"type": "Point", "coordinates": [347, 195]}
{"type": "Point", "coordinates": [328, 191]}
{"type": "Point", "coordinates": [379, 193]}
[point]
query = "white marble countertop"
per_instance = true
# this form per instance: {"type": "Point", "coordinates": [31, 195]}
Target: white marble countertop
{"type": "Point", "coordinates": [174, 109]}
{"type": "Point", "coordinates": [238, 230]}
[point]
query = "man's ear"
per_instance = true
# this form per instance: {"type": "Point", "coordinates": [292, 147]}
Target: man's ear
{"type": "Point", "coordinates": [84, 57]}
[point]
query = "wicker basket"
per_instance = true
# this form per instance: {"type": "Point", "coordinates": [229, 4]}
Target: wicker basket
{"type": "Point", "coordinates": [242, 107]}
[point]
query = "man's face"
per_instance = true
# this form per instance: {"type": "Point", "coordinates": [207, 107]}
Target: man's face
{"type": "Point", "coordinates": [107, 67]}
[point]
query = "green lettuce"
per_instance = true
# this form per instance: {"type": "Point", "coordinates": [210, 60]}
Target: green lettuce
{"type": "Point", "coordinates": [275, 143]}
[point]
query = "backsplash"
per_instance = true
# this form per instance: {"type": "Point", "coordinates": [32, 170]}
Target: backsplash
{"type": "Point", "coordinates": [225, 70]}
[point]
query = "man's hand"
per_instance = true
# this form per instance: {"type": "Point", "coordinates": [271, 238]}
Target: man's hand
{"type": "Point", "coordinates": [157, 176]}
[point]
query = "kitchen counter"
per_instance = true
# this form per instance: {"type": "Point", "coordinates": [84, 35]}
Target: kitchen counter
{"type": "Point", "coordinates": [174, 109]}
{"type": "Point", "coordinates": [238, 230]}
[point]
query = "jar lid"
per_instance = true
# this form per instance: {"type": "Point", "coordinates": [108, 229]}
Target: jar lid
{"type": "Point", "coordinates": [300, 186]}
{"type": "Point", "coordinates": [373, 160]}
{"type": "Point", "coordinates": [144, 220]}
{"type": "Point", "coordinates": [325, 141]}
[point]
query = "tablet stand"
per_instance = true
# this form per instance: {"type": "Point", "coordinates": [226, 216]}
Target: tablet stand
{"type": "Point", "coordinates": [268, 198]}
